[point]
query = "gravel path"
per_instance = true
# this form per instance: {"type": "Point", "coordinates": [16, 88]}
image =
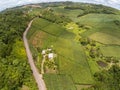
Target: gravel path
{"type": "Point", "coordinates": [38, 77]}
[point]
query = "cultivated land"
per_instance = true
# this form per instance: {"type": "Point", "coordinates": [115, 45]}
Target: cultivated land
{"type": "Point", "coordinates": [71, 58]}
{"type": "Point", "coordinates": [74, 46]}
{"type": "Point", "coordinates": [105, 38]}
{"type": "Point", "coordinates": [59, 82]}
{"type": "Point", "coordinates": [111, 51]}
{"type": "Point", "coordinates": [76, 62]}
{"type": "Point", "coordinates": [102, 23]}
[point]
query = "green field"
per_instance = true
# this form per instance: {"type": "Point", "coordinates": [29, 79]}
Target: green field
{"type": "Point", "coordinates": [71, 58]}
{"type": "Point", "coordinates": [73, 65]}
{"type": "Point", "coordinates": [59, 82]}
{"type": "Point", "coordinates": [105, 38]}
{"type": "Point", "coordinates": [111, 51]}
{"type": "Point", "coordinates": [103, 24]}
{"type": "Point", "coordinates": [67, 12]}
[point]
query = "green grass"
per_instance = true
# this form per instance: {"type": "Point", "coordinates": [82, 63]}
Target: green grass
{"type": "Point", "coordinates": [72, 61]}
{"type": "Point", "coordinates": [80, 87]}
{"type": "Point", "coordinates": [67, 12]}
{"type": "Point", "coordinates": [105, 38]}
{"type": "Point", "coordinates": [71, 57]}
{"type": "Point", "coordinates": [93, 66]}
{"type": "Point", "coordinates": [54, 29]}
{"type": "Point", "coordinates": [58, 82]}
{"type": "Point", "coordinates": [111, 51]}
{"type": "Point", "coordinates": [38, 24]}
{"type": "Point", "coordinates": [73, 67]}
{"type": "Point", "coordinates": [103, 23]}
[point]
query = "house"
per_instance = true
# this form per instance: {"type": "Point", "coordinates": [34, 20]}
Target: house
{"type": "Point", "coordinates": [51, 55]}
{"type": "Point", "coordinates": [43, 52]}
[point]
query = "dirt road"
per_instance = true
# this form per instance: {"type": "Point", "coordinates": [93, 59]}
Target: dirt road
{"type": "Point", "coordinates": [38, 77]}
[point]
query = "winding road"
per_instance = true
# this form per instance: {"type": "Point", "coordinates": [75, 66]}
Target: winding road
{"type": "Point", "coordinates": [38, 77]}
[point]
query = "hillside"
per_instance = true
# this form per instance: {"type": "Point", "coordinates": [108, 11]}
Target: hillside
{"type": "Point", "coordinates": [78, 44]}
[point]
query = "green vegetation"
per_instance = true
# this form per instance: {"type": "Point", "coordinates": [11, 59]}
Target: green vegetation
{"type": "Point", "coordinates": [72, 60]}
{"type": "Point", "coordinates": [111, 51]}
{"type": "Point", "coordinates": [59, 82]}
{"type": "Point", "coordinates": [101, 24]}
{"type": "Point", "coordinates": [88, 8]}
{"type": "Point", "coordinates": [85, 38]}
{"type": "Point", "coordinates": [78, 47]}
{"type": "Point", "coordinates": [105, 38]}
{"type": "Point", "coordinates": [14, 68]}
{"type": "Point", "coordinates": [68, 61]}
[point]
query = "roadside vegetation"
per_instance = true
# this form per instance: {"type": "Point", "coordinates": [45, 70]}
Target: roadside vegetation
{"type": "Point", "coordinates": [15, 73]}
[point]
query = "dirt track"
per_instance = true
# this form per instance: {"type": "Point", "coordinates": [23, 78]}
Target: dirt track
{"type": "Point", "coordinates": [38, 77]}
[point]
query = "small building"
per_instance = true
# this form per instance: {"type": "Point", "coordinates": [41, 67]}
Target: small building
{"type": "Point", "coordinates": [43, 52]}
{"type": "Point", "coordinates": [51, 55]}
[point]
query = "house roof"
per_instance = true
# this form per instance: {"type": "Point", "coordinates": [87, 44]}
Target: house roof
{"type": "Point", "coordinates": [51, 55]}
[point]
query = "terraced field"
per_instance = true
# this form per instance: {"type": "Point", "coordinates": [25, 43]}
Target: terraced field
{"type": "Point", "coordinates": [74, 65]}
{"type": "Point", "coordinates": [71, 58]}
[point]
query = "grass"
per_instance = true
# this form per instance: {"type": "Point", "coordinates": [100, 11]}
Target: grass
{"type": "Point", "coordinates": [59, 82]}
{"type": "Point", "coordinates": [80, 87]}
{"type": "Point", "coordinates": [38, 24]}
{"type": "Point", "coordinates": [54, 29]}
{"type": "Point", "coordinates": [67, 12]}
{"type": "Point", "coordinates": [93, 66]}
{"type": "Point", "coordinates": [72, 61]}
{"type": "Point", "coordinates": [71, 57]}
{"type": "Point", "coordinates": [105, 38]}
{"type": "Point", "coordinates": [103, 23]}
{"type": "Point", "coordinates": [99, 23]}
{"type": "Point", "coordinates": [73, 67]}
{"type": "Point", "coordinates": [111, 51]}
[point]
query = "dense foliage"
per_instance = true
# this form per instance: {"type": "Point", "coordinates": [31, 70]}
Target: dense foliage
{"type": "Point", "coordinates": [108, 80]}
{"type": "Point", "coordinates": [14, 68]}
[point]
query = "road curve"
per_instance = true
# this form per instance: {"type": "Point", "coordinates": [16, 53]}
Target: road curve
{"type": "Point", "coordinates": [38, 77]}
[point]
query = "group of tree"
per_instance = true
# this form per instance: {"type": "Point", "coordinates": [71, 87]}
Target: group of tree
{"type": "Point", "coordinates": [90, 46]}
{"type": "Point", "coordinates": [14, 68]}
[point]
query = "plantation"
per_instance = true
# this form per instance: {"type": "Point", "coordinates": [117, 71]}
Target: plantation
{"type": "Point", "coordinates": [76, 63]}
{"type": "Point", "coordinates": [111, 51]}
{"type": "Point", "coordinates": [77, 45]}
{"type": "Point", "coordinates": [105, 38]}
{"type": "Point", "coordinates": [59, 82]}
{"type": "Point", "coordinates": [102, 23]}
{"type": "Point", "coordinates": [71, 58]}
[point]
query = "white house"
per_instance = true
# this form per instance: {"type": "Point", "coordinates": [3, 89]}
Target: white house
{"type": "Point", "coordinates": [43, 52]}
{"type": "Point", "coordinates": [51, 55]}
